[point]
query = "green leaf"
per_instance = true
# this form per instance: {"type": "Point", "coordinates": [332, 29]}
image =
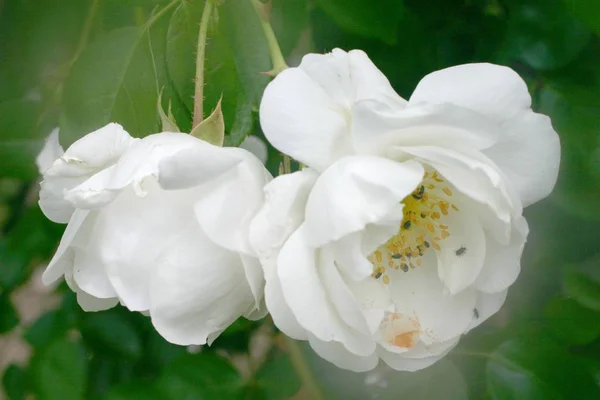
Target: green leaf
{"type": "Point", "coordinates": [236, 54]}
{"type": "Point", "coordinates": [211, 129]}
{"type": "Point", "coordinates": [571, 322]}
{"type": "Point", "coordinates": [588, 11]}
{"type": "Point", "coordinates": [20, 139]}
{"type": "Point", "coordinates": [378, 20]}
{"type": "Point", "coordinates": [15, 382]}
{"type": "Point", "coordinates": [8, 316]}
{"type": "Point", "coordinates": [537, 368]}
{"type": "Point", "coordinates": [46, 328]}
{"type": "Point", "coordinates": [168, 122]}
{"type": "Point", "coordinates": [200, 376]}
{"type": "Point", "coordinates": [278, 379]}
{"type": "Point", "coordinates": [59, 371]}
{"type": "Point", "coordinates": [116, 79]}
{"type": "Point", "coordinates": [289, 19]}
{"type": "Point", "coordinates": [133, 391]}
{"type": "Point", "coordinates": [574, 112]}
{"type": "Point", "coordinates": [33, 236]}
{"type": "Point", "coordinates": [582, 288]}
{"type": "Point", "coordinates": [112, 331]}
{"type": "Point", "coordinates": [544, 34]}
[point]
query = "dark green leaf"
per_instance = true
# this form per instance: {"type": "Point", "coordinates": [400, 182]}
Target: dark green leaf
{"type": "Point", "coordinates": [116, 79]}
{"type": "Point", "coordinates": [20, 138]}
{"type": "Point", "coordinates": [537, 368]}
{"type": "Point", "coordinates": [112, 331]}
{"type": "Point", "coordinates": [571, 322]}
{"type": "Point", "coordinates": [587, 11]}
{"type": "Point", "coordinates": [133, 391]}
{"type": "Point", "coordinates": [15, 382]}
{"type": "Point", "coordinates": [378, 20]}
{"type": "Point", "coordinates": [200, 376]}
{"type": "Point", "coordinates": [8, 315]}
{"type": "Point", "coordinates": [33, 236]}
{"type": "Point", "coordinates": [289, 19]}
{"type": "Point", "coordinates": [59, 371]}
{"type": "Point", "coordinates": [46, 328]}
{"type": "Point", "coordinates": [278, 379]}
{"type": "Point", "coordinates": [544, 34]}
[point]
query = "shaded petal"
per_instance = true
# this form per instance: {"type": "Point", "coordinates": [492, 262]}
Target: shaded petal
{"type": "Point", "coordinates": [495, 91]}
{"type": "Point", "coordinates": [299, 118]}
{"type": "Point", "coordinates": [255, 278]}
{"type": "Point", "coordinates": [51, 151]}
{"type": "Point", "coordinates": [132, 232]}
{"type": "Point", "coordinates": [59, 264]}
{"type": "Point", "coordinates": [306, 296]}
{"type": "Point", "coordinates": [503, 262]}
{"type": "Point", "coordinates": [375, 128]}
{"type": "Point", "coordinates": [336, 354]}
{"type": "Point", "coordinates": [403, 362]}
{"type": "Point", "coordinates": [88, 302]}
{"type": "Point", "coordinates": [354, 192]}
{"type": "Point", "coordinates": [529, 154]}
{"type": "Point", "coordinates": [420, 294]}
{"type": "Point", "coordinates": [198, 288]}
{"type": "Point", "coordinates": [282, 315]}
{"type": "Point", "coordinates": [282, 211]}
{"type": "Point", "coordinates": [486, 305]}
{"type": "Point", "coordinates": [462, 254]}
{"type": "Point", "coordinates": [228, 204]}
{"type": "Point", "coordinates": [257, 147]}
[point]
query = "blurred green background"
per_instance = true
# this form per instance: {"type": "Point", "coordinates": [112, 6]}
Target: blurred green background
{"type": "Point", "coordinates": [79, 64]}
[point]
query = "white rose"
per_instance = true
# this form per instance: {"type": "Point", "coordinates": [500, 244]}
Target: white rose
{"type": "Point", "coordinates": [406, 228]}
{"type": "Point", "coordinates": [159, 224]}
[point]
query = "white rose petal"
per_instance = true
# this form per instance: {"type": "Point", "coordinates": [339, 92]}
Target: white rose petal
{"type": "Point", "coordinates": [412, 232]}
{"type": "Point", "coordinates": [160, 225]}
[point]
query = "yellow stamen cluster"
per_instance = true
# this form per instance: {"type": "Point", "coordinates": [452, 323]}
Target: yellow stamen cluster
{"type": "Point", "coordinates": [420, 229]}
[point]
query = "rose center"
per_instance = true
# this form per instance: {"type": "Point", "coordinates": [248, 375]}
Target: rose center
{"type": "Point", "coordinates": [420, 230]}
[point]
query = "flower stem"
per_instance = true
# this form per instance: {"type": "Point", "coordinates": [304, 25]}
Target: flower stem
{"type": "Point", "coordinates": [85, 32]}
{"type": "Point", "coordinates": [200, 52]}
{"type": "Point", "coordinates": [303, 370]}
{"type": "Point", "coordinates": [277, 59]}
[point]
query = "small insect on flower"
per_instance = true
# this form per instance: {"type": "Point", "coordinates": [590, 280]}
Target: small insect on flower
{"type": "Point", "coordinates": [418, 194]}
{"type": "Point", "coordinates": [396, 256]}
{"type": "Point", "coordinates": [407, 225]}
{"type": "Point", "coordinates": [476, 313]}
{"type": "Point", "coordinates": [460, 251]}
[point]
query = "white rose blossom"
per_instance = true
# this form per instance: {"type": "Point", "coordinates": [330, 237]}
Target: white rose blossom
{"type": "Point", "coordinates": [405, 228]}
{"type": "Point", "coordinates": [159, 224]}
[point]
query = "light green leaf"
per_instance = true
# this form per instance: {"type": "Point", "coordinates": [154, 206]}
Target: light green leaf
{"type": "Point", "coordinates": [236, 54]}
{"type": "Point", "coordinates": [378, 20]}
{"type": "Point", "coordinates": [211, 129]}
{"type": "Point", "coordinates": [167, 119]}
{"type": "Point", "coordinates": [116, 79]}
{"type": "Point", "coordinates": [583, 288]}
{"type": "Point", "coordinates": [200, 376]}
{"type": "Point", "coordinates": [537, 368]}
{"type": "Point", "coordinates": [20, 139]}
{"type": "Point", "coordinates": [59, 371]}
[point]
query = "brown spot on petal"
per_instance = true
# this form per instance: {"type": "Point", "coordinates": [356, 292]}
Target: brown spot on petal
{"type": "Point", "coordinates": [405, 340]}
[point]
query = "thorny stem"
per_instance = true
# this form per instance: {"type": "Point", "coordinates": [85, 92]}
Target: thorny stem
{"type": "Point", "coordinates": [200, 51]}
{"type": "Point", "coordinates": [303, 370]}
{"type": "Point", "coordinates": [277, 59]}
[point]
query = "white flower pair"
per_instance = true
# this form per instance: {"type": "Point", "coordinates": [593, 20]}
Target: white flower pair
{"type": "Point", "coordinates": [403, 231]}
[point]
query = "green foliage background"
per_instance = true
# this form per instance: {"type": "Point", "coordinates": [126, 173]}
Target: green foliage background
{"type": "Point", "coordinates": [80, 64]}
